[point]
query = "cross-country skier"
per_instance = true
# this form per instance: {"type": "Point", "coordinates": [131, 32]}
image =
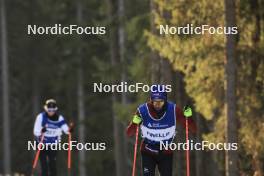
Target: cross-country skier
{"type": "Point", "coordinates": [157, 119]}
{"type": "Point", "coordinates": [50, 124]}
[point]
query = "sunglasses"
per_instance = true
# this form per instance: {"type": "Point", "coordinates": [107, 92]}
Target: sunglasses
{"type": "Point", "coordinates": [52, 109]}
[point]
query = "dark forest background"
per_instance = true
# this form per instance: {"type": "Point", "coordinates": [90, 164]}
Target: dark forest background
{"type": "Point", "coordinates": [221, 76]}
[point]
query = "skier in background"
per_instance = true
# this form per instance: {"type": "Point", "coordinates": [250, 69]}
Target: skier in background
{"type": "Point", "coordinates": [50, 124]}
{"type": "Point", "coordinates": [157, 119]}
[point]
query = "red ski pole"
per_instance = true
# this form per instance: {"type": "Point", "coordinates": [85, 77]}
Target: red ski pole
{"type": "Point", "coordinates": [69, 151]}
{"type": "Point", "coordinates": [187, 151]}
{"type": "Point", "coordinates": [135, 153]}
{"type": "Point", "coordinates": [38, 152]}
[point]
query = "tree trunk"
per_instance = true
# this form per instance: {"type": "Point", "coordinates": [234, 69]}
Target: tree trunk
{"type": "Point", "coordinates": [230, 81]}
{"type": "Point", "coordinates": [179, 96]}
{"type": "Point", "coordinates": [198, 154]}
{"type": "Point", "coordinates": [35, 89]}
{"type": "Point", "coordinates": [113, 56]}
{"type": "Point", "coordinates": [155, 59]}
{"type": "Point", "coordinates": [124, 98]}
{"type": "Point", "coordinates": [5, 95]}
{"type": "Point", "coordinates": [81, 117]}
{"type": "Point", "coordinates": [80, 95]}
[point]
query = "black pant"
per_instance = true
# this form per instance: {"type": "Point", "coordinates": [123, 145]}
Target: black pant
{"type": "Point", "coordinates": [48, 162]}
{"type": "Point", "coordinates": [162, 160]}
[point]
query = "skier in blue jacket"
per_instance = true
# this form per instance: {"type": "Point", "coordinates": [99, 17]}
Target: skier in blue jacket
{"type": "Point", "coordinates": [157, 119]}
{"type": "Point", "coordinates": [50, 124]}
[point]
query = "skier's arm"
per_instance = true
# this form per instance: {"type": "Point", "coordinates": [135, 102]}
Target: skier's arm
{"type": "Point", "coordinates": [38, 126]}
{"type": "Point", "coordinates": [131, 129]}
{"type": "Point", "coordinates": [181, 119]}
{"type": "Point", "coordinates": [64, 126]}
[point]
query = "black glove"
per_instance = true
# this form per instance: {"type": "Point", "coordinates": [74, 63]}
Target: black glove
{"type": "Point", "coordinates": [71, 128]}
{"type": "Point", "coordinates": [43, 130]}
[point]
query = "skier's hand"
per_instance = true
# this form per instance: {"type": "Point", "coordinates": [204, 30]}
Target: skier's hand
{"type": "Point", "coordinates": [187, 111]}
{"type": "Point", "coordinates": [43, 130]}
{"type": "Point", "coordinates": [71, 127]}
{"type": "Point", "coordinates": [136, 119]}
{"type": "Point", "coordinates": [38, 138]}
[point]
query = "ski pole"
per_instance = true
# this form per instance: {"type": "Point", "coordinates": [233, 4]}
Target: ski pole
{"type": "Point", "coordinates": [187, 151]}
{"type": "Point", "coordinates": [38, 152]}
{"type": "Point", "coordinates": [135, 153]}
{"type": "Point", "coordinates": [69, 151]}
